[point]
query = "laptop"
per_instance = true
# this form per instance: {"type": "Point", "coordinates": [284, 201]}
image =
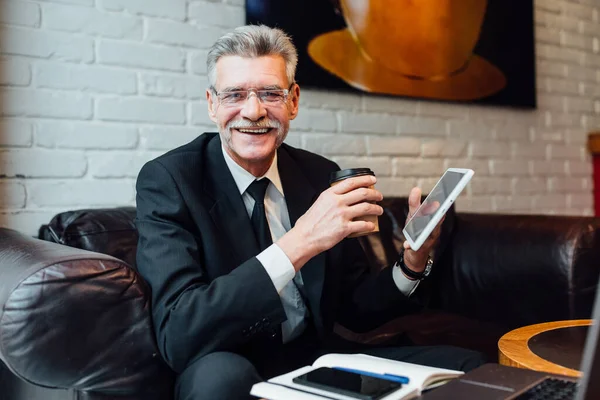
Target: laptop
{"type": "Point", "coordinates": [498, 382]}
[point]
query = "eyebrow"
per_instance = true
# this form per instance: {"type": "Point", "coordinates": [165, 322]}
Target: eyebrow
{"type": "Point", "coordinates": [232, 89]}
{"type": "Point", "coordinates": [271, 87]}
{"type": "Point", "coordinates": [238, 88]}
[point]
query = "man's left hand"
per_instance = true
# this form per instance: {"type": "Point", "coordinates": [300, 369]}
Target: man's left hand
{"type": "Point", "coordinates": [417, 260]}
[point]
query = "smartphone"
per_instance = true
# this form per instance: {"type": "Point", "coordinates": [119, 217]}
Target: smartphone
{"type": "Point", "coordinates": [347, 383]}
{"type": "Point", "coordinates": [438, 201]}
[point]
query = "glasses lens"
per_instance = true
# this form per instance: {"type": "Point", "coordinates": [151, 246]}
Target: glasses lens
{"type": "Point", "coordinates": [272, 96]}
{"type": "Point", "coordinates": [238, 97]}
{"type": "Point", "coordinates": [234, 97]}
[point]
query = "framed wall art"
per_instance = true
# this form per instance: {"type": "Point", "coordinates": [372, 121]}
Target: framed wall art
{"type": "Point", "coordinates": [448, 50]}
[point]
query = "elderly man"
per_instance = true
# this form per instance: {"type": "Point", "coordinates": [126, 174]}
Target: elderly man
{"type": "Point", "coordinates": [245, 245]}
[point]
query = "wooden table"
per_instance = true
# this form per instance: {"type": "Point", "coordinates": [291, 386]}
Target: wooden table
{"type": "Point", "coordinates": [553, 347]}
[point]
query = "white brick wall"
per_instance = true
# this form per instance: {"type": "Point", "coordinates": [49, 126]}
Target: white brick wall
{"type": "Point", "coordinates": [91, 89]}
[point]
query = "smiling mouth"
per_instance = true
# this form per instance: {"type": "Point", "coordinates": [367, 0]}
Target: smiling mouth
{"type": "Point", "coordinates": [254, 131]}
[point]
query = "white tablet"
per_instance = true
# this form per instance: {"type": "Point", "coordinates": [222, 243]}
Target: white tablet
{"type": "Point", "coordinates": [438, 201]}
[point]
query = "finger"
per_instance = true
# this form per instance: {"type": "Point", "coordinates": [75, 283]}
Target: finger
{"type": "Point", "coordinates": [426, 248]}
{"type": "Point", "coordinates": [360, 226]}
{"type": "Point", "coordinates": [363, 209]}
{"type": "Point", "coordinates": [438, 228]}
{"type": "Point", "coordinates": [433, 237]}
{"type": "Point", "coordinates": [361, 195]}
{"type": "Point", "coordinates": [414, 200]}
{"type": "Point", "coordinates": [429, 208]}
{"type": "Point", "coordinates": [350, 184]}
{"type": "Point", "coordinates": [431, 240]}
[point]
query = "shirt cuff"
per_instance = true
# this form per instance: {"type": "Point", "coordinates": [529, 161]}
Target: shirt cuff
{"type": "Point", "coordinates": [405, 285]}
{"type": "Point", "coordinates": [278, 266]}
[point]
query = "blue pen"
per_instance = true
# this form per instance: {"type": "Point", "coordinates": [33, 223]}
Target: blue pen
{"type": "Point", "coordinates": [386, 376]}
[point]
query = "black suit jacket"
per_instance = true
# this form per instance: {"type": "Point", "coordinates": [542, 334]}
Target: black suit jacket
{"type": "Point", "coordinates": [197, 252]}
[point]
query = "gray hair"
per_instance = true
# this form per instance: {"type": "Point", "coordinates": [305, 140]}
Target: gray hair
{"type": "Point", "coordinates": [253, 41]}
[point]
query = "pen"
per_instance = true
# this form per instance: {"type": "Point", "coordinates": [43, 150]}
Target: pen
{"type": "Point", "coordinates": [386, 376]}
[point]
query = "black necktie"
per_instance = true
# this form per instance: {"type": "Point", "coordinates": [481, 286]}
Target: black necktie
{"type": "Point", "coordinates": [292, 300]}
{"type": "Point", "coordinates": [259, 217]}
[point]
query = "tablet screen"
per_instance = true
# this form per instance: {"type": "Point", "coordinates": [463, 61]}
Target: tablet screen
{"type": "Point", "coordinates": [440, 192]}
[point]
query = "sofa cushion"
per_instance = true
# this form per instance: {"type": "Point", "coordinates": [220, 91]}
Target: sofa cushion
{"type": "Point", "coordinates": [71, 318]}
{"type": "Point", "coordinates": [518, 270]}
{"type": "Point", "coordinates": [108, 231]}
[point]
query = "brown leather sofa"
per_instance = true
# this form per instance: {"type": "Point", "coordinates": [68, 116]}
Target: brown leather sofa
{"type": "Point", "coordinates": [79, 320]}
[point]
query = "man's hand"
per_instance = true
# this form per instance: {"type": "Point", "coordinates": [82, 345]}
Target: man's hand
{"type": "Point", "coordinates": [417, 260]}
{"type": "Point", "coordinates": [331, 218]}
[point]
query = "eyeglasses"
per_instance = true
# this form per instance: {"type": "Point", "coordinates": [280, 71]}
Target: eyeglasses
{"type": "Point", "coordinates": [235, 98]}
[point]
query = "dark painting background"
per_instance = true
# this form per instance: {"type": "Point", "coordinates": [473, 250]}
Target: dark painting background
{"type": "Point", "coordinates": [506, 40]}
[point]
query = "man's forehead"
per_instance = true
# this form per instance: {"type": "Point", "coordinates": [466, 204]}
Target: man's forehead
{"type": "Point", "coordinates": [235, 59]}
{"type": "Point", "coordinates": [246, 72]}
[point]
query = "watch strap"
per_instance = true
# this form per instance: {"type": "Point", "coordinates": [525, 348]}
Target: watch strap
{"type": "Point", "coordinates": [409, 272]}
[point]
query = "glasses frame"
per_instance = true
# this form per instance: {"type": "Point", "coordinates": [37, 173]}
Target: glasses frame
{"type": "Point", "coordinates": [286, 95]}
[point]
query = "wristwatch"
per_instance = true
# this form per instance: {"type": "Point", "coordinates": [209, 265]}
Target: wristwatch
{"type": "Point", "coordinates": [409, 272]}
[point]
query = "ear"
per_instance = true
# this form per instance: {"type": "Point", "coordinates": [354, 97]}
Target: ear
{"type": "Point", "coordinates": [212, 106]}
{"type": "Point", "coordinates": [294, 101]}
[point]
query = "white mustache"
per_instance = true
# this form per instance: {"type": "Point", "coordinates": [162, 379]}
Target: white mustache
{"type": "Point", "coordinates": [268, 124]}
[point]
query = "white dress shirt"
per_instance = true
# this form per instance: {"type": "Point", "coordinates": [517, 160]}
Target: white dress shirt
{"type": "Point", "coordinates": [274, 260]}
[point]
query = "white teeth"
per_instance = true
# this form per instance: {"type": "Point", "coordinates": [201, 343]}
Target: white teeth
{"type": "Point", "coordinates": [253, 130]}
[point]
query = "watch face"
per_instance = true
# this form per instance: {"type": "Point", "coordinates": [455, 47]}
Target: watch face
{"type": "Point", "coordinates": [428, 267]}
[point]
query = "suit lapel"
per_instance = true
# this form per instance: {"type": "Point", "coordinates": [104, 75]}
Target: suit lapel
{"type": "Point", "coordinates": [228, 211]}
{"type": "Point", "coordinates": [299, 196]}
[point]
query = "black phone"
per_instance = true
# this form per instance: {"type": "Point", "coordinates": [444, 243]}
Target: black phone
{"type": "Point", "coordinates": [350, 384]}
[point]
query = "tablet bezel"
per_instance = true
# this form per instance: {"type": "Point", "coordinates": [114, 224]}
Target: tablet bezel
{"type": "Point", "coordinates": [416, 243]}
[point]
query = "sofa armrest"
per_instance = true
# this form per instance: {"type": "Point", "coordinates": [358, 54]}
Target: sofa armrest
{"type": "Point", "coordinates": [74, 319]}
{"type": "Point", "coordinates": [518, 270]}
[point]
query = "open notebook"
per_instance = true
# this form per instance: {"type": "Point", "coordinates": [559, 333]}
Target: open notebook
{"type": "Point", "coordinates": [420, 378]}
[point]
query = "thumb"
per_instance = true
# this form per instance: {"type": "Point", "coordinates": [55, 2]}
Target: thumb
{"type": "Point", "coordinates": [414, 200]}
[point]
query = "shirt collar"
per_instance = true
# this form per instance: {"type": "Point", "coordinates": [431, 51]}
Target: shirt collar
{"type": "Point", "coordinates": [243, 178]}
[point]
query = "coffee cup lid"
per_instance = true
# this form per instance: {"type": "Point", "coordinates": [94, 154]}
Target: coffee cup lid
{"type": "Point", "coordinates": [348, 173]}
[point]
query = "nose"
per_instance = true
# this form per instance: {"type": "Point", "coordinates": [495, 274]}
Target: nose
{"type": "Point", "coordinates": [253, 109]}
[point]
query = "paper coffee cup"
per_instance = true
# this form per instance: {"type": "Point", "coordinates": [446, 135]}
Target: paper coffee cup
{"type": "Point", "coordinates": [338, 176]}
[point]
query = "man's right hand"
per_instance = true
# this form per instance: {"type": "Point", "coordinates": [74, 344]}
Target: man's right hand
{"type": "Point", "coordinates": [331, 218]}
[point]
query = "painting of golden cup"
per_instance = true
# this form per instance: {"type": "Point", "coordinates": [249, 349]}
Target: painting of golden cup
{"type": "Point", "coordinates": [448, 50]}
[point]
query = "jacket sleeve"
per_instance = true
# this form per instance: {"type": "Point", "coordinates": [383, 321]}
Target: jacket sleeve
{"type": "Point", "coordinates": [369, 298]}
{"type": "Point", "coordinates": [192, 314]}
